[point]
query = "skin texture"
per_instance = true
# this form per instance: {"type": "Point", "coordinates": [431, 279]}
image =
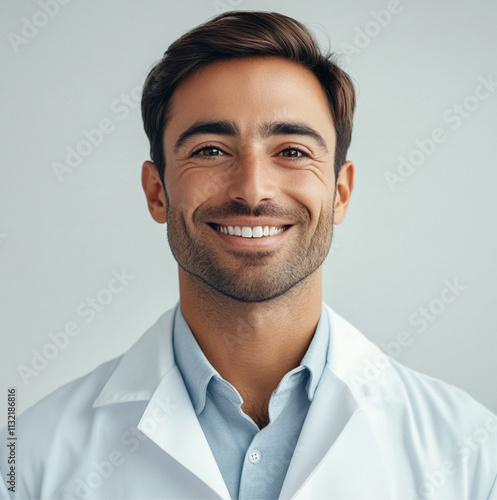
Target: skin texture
{"type": "Point", "coordinates": [252, 304]}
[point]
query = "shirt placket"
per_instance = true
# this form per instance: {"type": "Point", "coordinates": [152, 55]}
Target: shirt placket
{"type": "Point", "coordinates": [268, 454]}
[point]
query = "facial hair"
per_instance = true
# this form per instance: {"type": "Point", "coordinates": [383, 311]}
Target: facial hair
{"type": "Point", "coordinates": [260, 275]}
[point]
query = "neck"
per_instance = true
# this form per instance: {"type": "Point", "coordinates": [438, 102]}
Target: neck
{"type": "Point", "coordinates": [252, 345]}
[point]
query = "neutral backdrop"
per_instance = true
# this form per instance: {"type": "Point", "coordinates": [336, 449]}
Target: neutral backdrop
{"type": "Point", "coordinates": [419, 66]}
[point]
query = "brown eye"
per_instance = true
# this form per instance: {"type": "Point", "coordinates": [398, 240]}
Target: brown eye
{"type": "Point", "coordinates": [212, 152]}
{"type": "Point", "coordinates": [292, 153]}
{"type": "Point", "coordinates": [209, 151]}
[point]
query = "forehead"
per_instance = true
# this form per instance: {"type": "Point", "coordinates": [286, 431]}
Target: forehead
{"type": "Point", "coordinates": [249, 92]}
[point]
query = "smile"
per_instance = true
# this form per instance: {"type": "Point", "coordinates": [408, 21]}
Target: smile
{"type": "Point", "coordinates": [250, 232]}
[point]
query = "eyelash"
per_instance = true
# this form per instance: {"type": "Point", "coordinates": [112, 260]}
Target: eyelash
{"type": "Point", "coordinates": [303, 154]}
{"type": "Point", "coordinates": [203, 148]}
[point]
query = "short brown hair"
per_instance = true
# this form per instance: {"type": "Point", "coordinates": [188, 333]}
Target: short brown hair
{"type": "Point", "coordinates": [244, 34]}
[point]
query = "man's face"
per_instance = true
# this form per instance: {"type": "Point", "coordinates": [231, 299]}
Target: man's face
{"type": "Point", "coordinates": [249, 150]}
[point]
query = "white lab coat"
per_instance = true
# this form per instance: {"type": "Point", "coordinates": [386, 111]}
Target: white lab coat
{"type": "Point", "coordinates": [375, 430]}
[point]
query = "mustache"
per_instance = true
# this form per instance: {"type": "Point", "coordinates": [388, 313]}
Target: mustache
{"type": "Point", "coordinates": [235, 208]}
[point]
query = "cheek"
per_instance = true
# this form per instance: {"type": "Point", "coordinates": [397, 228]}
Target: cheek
{"type": "Point", "coordinates": [312, 192]}
{"type": "Point", "coordinates": [194, 188]}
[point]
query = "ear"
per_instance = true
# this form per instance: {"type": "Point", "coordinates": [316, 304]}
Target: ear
{"type": "Point", "coordinates": [344, 187]}
{"type": "Point", "coordinates": [154, 191]}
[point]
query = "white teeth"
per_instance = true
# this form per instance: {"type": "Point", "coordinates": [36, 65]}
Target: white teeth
{"type": "Point", "coordinates": [257, 232]}
{"type": "Point", "coordinates": [250, 232]}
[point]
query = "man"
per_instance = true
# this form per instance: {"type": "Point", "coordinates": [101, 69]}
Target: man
{"type": "Point", "coordinates": [251, 387]}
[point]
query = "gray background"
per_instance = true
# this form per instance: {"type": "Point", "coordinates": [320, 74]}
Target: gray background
{"type": "Point", "coordinates": [61, 239]}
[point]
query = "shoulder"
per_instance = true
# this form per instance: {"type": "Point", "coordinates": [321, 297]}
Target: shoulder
{"type": "Point", "coordinates": [360, 363]}
{"type": "Point", "coordinates": [425, 411]}
{"type": "Point", "coordinates": [430, 400]}
{"type": "Point", "coordinates": [61, 409]}
{"type": "Point", "coordinates": [73, 423]}
{"type": "Point", "coordinates": [129, 377]}
{"type": "Point", "coordinates": [71, 398]}
{"type": "Point", "coordinates": [56, 424]}
{"type": "Point", "coordinates": [444, 431]}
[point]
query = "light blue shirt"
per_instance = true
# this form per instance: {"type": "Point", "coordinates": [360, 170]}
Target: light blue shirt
{"type": "Point", "coordinates": [375, 429]}
{"type": "Point", "coordinates": [252, 461]}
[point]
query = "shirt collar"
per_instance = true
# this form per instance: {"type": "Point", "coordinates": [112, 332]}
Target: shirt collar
{"type": "Point", "coordinates": [192, 363]}
{"type": "Point", "coordinates": [316, 356]}
{"type": "Point", "coordinates": [197, 371]}
{"type": "Point", "coordinates": [135, 375]}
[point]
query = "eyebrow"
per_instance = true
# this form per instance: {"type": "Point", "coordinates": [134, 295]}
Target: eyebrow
{"type": "Point", "coordinates": [227, 128]}
{"type": "Point", "coordinates": [293, 128]}
{"type": "Point", "coordinates": [198, 128]}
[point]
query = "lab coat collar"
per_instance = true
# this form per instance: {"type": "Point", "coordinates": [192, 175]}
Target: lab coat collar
{"type": "Point", "coordinates": [141, 368]}
{"type": "Point", "coordinates": [133, 380]}
{"type": "Point", "coordinates": [159, 382]}
{"type": "Point", "coordinates": [356, 361]}
{"type": "Point", "coordinates": [147, 372]}
{"type": "Point", "coordinates": [339, 402]}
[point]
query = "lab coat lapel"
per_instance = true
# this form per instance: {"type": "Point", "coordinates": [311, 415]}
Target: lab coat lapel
{"type": "Point", "coordinates": [147, 372]}
{"type": "Point", "coordinates": [140, 369]}
{"type": "Point", "coordinates": [170, 422]}
{"type": "Point", "coordinates": [337, 434]}
{"type": "Point", "coordinates": [329, 416]}
{"type": "Point", "coordinates": [335, 431]}
{"type": "Point", "coordinates": [355, 466]}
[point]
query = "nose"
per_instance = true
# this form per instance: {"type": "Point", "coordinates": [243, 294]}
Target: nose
{"type": "Point", "coordinates": [253, 180]}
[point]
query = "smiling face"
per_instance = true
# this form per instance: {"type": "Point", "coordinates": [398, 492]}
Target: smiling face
{"type": "Point", "coordinates": [249, 152]}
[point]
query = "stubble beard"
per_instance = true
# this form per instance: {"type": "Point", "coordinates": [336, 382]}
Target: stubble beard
{"type": "Point", "coordinates": [255, 279]}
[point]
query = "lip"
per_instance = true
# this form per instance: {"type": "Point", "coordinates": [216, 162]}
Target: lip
{"type": "Point", "coordinates": [250, 243]}
{"type": "Point", "coordinates": [250, 222]}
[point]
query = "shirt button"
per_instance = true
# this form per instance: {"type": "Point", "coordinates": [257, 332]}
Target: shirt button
{"type": "Point", "coordinates": [254, 456]}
